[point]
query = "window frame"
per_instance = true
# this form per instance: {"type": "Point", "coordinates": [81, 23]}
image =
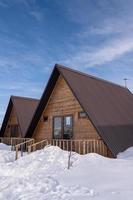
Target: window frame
{"type": "Point", "coordinates": [58, 116]}
{"type": "Point", "coordinates": [82, 117]}
{"type": "Point", "coordinates": [62, 125]}
{"type": "Point", "coordinates": [68, 115]}
{"type": "Point", "coordinates": [15, 132]}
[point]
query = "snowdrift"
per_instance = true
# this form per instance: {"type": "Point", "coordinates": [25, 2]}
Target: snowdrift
{"type": "Point", "coordinates": [128, 154]}
{"type": "Point", "coordinates": [43, 175]}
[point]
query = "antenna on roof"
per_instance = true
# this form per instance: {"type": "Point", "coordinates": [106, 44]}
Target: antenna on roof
{"type": "Point", "coordinates": [125, 80]}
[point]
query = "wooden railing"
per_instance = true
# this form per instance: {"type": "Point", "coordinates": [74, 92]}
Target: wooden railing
{"type": "Point", "coordinates": [12, 141]}
{"type": "Point", "coordinates": [22, 147]}
{"type": "Point", "coordinates": [38, 145]}
{"type": "Point", "coordinates": [79, 146]}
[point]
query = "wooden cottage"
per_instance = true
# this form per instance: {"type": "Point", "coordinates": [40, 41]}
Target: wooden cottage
{"type": "Point", "coordinates": [85, 113]}
{"type": "Point", "coordinates": [18, 117]}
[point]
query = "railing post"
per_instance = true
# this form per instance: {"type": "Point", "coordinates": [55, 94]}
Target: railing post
{"type": "Point", "coordinates": [34, 148]}
{"type": "Point", "coordinates": [79, 149]}
{"type": "Point", "coordinates": [83, 147]}
{"type": "Point", "coordinates": [60, 143]}
{"type": "Point", "coordinates": [47, 142]}
{"type": "Point", "coordinates": [63, 145]}
{"type": "Point", "coordinates": [67, 145]}
{"type": "Point", "coordinates": [71, 148]}
{"type": "Point", "coordinates": [69, 160]}
{"type": "Point", "coordinates": [11, 145]}
{"type": "Point", "coordinates": [29, 149]}
{"type": "Point", "coordinates": [16, 157]}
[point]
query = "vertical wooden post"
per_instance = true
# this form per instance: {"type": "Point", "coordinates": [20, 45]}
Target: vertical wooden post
{"type": "Point", "coordinates": [11, 145]}
{"type": "Point", "coordinates": [16, 157]}
{"type": "Point", "coordinates": [21, 149]}
{"type": "Point", "coordinates": [71, 146]}
{"type": "Point", "coordinates": [63, 145]}
{"type": "Point", "coordinates": [55, 142]}
{"type": "Point", "coordinates": [94, 144]}
{"type": "Point", "coordinates": [87, 146]}
{"type": "Point", "coordinates": [99, 147]}
{"type": "Point", "coordinates": [83, 147]}
{"type": "Point", "coordinates": [34, 147]}
{"type": "Point", "coordinates": [29, 149]}
{"type": "Point", "coordinates": [69, 160]}
{"type": "Point", "coordinates": [79, 143]}
{"type": "Point", "coordinates": [102, 148]}
{"type": "Point", "coordinates": [60, 143]}
{"type": "Point", "coordinates": [67, 144]}
{"type": "Point", "coordinates": [41, 145]}
{"type": "Point", "coordinates": [47, 142]}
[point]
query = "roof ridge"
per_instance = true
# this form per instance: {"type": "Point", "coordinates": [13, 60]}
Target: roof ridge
{"type": "Point", "coordinates": [25, 98]}
{"type": "Point", "coordinates": [88, 75]}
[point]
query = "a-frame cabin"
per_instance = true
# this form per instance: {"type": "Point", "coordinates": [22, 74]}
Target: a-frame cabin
{"type": "Point", "coordinates": [77, 106]}
{"type": "Point", "coordinates": [18, 116]}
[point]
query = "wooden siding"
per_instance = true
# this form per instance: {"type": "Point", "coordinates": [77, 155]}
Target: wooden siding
{"type": "Point", "coordinates": [12, 121]}
{"type": "Point", "coordinates": [62, 102]}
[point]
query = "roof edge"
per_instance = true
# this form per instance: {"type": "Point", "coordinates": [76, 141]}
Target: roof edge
{"type": "Point", "coordinates": [6, 117]}
{"type": "Point", "coordinates": [58, 66]}
{"type": "Point", "coordinates": [25, 98]}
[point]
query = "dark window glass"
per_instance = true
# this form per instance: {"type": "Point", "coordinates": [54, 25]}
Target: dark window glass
{"type": "Point", "coordinates": [57, 123]}
{"type": "Point", "coordinates": [14, 130]}
{"type": "Point", "coordinates": [82, 114]}
{"type": "Point", "coordinates": [45, 118]}
{"type": "Point", "coordinates": [67, 127]}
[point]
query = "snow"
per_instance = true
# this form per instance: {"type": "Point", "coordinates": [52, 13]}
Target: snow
{"type": "Point", "coordinates": [43, 175]}
{"type": "Point", "coordinates": [4, 147]}
{"type": "Point", "coordinates": [128, 154]}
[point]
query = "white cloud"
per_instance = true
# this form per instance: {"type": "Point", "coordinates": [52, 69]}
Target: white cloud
{"type": "Point", "coordinates": [106, 53]}
{"type": "Point", "coordinates": [109, 29]}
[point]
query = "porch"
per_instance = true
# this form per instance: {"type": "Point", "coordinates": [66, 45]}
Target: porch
{"type": "Point", "coordinates": [79, 146]}
{"type": "Point", "coordinates": [28, 145]}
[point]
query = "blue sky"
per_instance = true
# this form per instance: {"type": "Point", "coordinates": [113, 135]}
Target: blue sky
{"type": "Point", "coordinates": [94, 36]}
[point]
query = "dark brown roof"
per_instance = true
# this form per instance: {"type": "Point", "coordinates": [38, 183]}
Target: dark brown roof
{"type": "Point", "coordinates": [24, 108]}
{"type": "Point", "coordinates": [109, 106]}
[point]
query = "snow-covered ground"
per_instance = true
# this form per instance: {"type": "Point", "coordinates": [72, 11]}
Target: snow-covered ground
{"type": "Point", "coordinates": [43, 175]}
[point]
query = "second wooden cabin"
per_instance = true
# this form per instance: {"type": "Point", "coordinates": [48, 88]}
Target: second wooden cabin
{"type": "Point", "coordinates": [17, 119]}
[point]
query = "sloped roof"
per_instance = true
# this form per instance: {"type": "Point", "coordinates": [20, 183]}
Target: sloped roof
{"type": "Point", "coordinates": [109, 106]}
{"type": "Point", "coordinates": [24, 109]}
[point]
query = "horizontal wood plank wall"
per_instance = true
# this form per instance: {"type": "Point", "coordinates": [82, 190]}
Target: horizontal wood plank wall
{"type": "Point", "coordinates": [12, 121]}
{"type": "Point", "coordinates": [62, 102]}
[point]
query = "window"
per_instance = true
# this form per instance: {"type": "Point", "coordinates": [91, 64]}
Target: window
{"type": "Point", "coordinates": [82, 114]}
{"type": "Point", "coordinates": [62, 127]}
{"type": "Point", "coordinates": [57, 127]}
{"type": "Point", "coordinates": [45, 118]}
{"type": "Point", "coordinates": [14, 130]}
{"type": "Point", "coordinates": [67, 134]}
